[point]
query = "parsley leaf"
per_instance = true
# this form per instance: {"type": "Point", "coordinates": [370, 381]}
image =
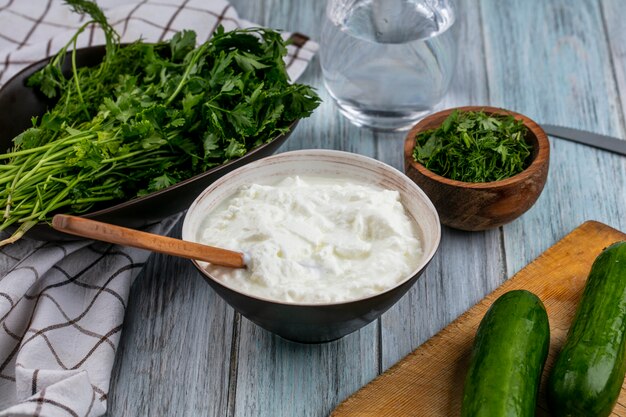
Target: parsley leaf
{"type": "Point", "coordinates": [148, 116]}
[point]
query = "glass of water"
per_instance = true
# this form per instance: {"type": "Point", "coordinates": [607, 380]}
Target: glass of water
{"type": "Point", "coordinates": [388, 63]}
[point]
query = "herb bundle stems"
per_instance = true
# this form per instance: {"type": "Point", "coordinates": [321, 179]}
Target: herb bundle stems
{"type": "Point", "coordinates": [148, 116]}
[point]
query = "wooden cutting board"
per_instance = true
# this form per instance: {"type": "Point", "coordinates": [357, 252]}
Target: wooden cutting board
{"type": "Point", "coordinates": [429, 381]}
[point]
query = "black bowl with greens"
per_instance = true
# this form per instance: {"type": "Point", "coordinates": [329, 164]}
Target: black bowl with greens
{"type": "Point", "coordinates": [177, 118]}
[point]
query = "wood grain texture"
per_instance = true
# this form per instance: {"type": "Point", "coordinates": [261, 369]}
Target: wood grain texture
{"type": "Point", "coordinates": [613, 19]}
{"type": "Point", "coordinates": [275, 377]}
{"type": "Point", "coordinates": [284, 379]}
{"type": "Point", "coordinates": [453, 281]}
{"type": "Point", "coordinates": [174, 356]}
{"type": "Point", "coordinates": [565, 78]}
{"type": "Point", "coordinates": [184, 352]}
{"type": "Point", "coordinates": [429, 381]}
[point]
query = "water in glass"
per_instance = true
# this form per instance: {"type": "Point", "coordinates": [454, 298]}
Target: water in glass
{"type": "Point", "coordinates": [387, 63]}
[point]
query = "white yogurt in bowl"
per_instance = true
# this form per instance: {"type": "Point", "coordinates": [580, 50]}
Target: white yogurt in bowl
{"type": "Point", "coordinates": [363, 250]}
{"type": "Point", "coordinates": [313, 239]}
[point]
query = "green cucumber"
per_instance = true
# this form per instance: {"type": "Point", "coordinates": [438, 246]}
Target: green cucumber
{"type": "Point", "coordinates": [589, 371]}
{"type": "Point", "coordinates": [507, 358]}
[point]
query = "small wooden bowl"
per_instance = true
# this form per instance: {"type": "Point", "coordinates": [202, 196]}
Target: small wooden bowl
{"type": "Point", "coordinates": [481, 206]}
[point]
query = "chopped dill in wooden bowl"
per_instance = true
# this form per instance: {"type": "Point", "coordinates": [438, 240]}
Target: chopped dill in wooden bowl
{"type": "Point", "coordinates": [473, 146]}
{"type": "Point", "coordinates": [481, 166]}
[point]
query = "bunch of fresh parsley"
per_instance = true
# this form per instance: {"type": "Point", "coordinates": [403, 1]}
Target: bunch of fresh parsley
{"type": "Point", "coordinates": [474, 147]}
{"type": "Point", "coordinates": [148, 116]}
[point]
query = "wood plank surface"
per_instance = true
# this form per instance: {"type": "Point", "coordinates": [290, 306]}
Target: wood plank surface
{"type": "Point", "coordinates": [184, 352]}
{"type": "Point", "coordinates": [274, 377]}
{"type": "Point", "coordinates": [613, 19]}
{"type": "Point", "coordinates": [435, 300]}
{"type": "Point", "coordinates": [429, 381]}
{"type": "Point", "coordinates": [175, 354]}
{"type": "Point", "coordinates": [558, 70]}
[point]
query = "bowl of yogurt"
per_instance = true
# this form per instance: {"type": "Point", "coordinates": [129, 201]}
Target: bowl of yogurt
{"type": "Point", "coordinates": [332, 240]}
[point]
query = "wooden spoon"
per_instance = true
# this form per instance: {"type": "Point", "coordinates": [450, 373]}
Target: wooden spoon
{"type": "Point", "coordinates": [128, 237]}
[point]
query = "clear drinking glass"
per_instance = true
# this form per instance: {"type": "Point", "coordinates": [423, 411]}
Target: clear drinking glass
{"type": "Point", "coordinates": [387, 63]}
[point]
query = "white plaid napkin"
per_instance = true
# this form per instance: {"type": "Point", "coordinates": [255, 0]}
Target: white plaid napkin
{"type": "Point", "coordinates": [62, 304]}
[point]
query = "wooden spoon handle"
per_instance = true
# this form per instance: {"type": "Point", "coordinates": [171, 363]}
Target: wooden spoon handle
{"type": "Point", "coordinates": [128, 237]}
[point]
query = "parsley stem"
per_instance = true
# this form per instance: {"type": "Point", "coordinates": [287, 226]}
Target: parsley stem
{"type": "Point", "coordinates": [197, 54]}
{"type": "Point", "coordinates": [39, 149]}
{"type": "Point", "coordinates": [76, 79]}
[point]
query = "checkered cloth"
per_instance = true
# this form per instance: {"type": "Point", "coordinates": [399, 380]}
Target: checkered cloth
{"type": "Point", "coordinates": [62, 305]}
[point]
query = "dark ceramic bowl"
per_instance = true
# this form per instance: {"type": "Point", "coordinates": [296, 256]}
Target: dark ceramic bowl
{"type": "Point", "coordinates": [475, 206]}
{"type": "Point", "coordinates": [313, 323]}
{"type": "Point", "coordinates": [19, 103]}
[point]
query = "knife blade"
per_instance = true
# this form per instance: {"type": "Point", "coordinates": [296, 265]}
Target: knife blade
{"type": "Point", "coordinates": [596, 140]}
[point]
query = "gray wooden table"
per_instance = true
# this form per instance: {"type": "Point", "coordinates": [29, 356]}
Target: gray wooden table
{"type": "Point", "coordinates": [184, 352]}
